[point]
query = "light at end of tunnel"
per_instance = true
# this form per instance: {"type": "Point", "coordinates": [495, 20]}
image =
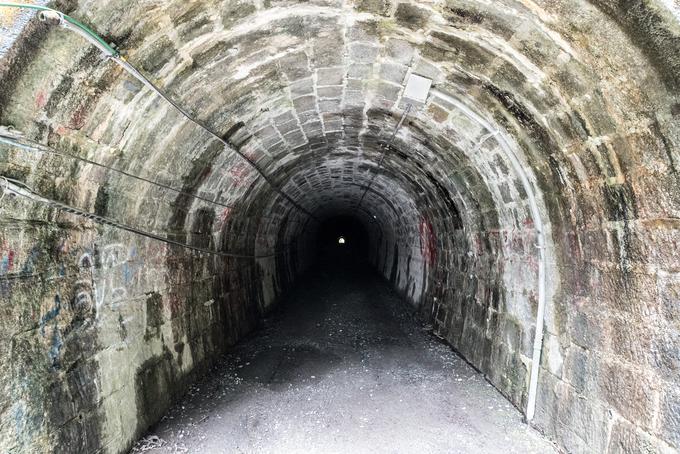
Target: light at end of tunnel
{"type": "Point", "coordinates": [341, 240]}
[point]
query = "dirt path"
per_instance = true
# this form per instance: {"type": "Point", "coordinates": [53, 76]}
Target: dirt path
{"type": "Point", "coordinates": [343, 369]}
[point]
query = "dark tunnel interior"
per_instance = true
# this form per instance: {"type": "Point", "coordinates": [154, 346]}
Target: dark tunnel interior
{"type": "Point", "coordinates": [349, 253]}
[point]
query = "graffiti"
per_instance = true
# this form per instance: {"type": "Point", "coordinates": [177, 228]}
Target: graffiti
{"type": "Point", "coordinates": [55, 347]}
{"type": "Point", "coordinates": [51, 314]}
{"type": "Point", "coordinates": [31, 261]}
{"type": "Point", "coordinates": [7, 260]}
{"type": "Point", "coordinates": [55, 340]}
{"type": "Point", "coordinates": [223, 217]}
{"type": "Point", "coordinates": [41, 99]}
{"type": "Point", "coordinates": [239, 174]}
{"type": "Point", "coordinates": [428, 242]}
{"type": "Point", "coordinates": [78, 118]}
{"type": "Point", "coordinates": [112, 269]}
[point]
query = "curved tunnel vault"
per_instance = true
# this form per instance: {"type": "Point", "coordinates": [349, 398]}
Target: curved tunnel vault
{"type": "Point", "coordinates": [537, 182]}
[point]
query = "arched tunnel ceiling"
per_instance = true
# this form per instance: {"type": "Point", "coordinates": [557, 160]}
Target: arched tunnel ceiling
{"type": "Point", "coordinates": [293, 84]}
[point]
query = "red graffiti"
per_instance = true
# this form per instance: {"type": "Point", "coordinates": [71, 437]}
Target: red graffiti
{"type": "Point", "coordinates": [428, 242]}
{"type": "Point", "coordinates": [174, 304]}
{"type": "Point", "coordinates": [238, 174]}
{"type": "Point", "coordinates": [222, 219]}
{"type": "Point", "coordinates": [78, 118]}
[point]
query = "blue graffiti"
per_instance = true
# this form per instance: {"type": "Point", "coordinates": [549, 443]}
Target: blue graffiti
{"type": "Point", "coordinates": [19, 417]}
{"type": "Point", "coordinates": [51, 314]}
{"type": "Point", "coordinates": [5, 288]}
{"type": "Point", "coordinates": [55, 348]}
{"type": "Point", "coordinates": [56, 341]}
{"type": "Point", "coordinates": [31, 260]}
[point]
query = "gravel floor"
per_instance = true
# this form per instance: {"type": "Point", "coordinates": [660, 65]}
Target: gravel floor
{"type": "Point", "coordinates": [343, 368]}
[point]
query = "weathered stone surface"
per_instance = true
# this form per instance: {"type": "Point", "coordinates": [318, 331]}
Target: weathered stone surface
{"type": "Point", "coordinates": [102, 327]}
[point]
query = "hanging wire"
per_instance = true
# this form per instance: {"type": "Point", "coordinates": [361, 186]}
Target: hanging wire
{"type": "Point", "coordinates": [29, 145]}
{"type": "Point", "coordinates": [21, 189]}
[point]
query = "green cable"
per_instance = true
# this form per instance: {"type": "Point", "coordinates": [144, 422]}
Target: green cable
{"type": "Point", "coordinates": [79, 25]}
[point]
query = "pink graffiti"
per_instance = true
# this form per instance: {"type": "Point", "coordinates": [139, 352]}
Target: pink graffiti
{"type": "Point", "coordinates": [41, 99]}
{"type": "Point", "coordinates": [428, 242]}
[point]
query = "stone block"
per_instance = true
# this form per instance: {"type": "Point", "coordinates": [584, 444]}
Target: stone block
{"type": "Point", "coordinates": [669, 297]}
{"type": "Point", "coordinates": [306, 117]}
{"type": "Point", "coordinates": [285, 117]}
{"type": "Point", "coordinates": [355, 85]}
{"type": "Point", "coordinates": [305, 103]}
{"type": "Point", "coordinates": [582, 422]}
{"type": "Point", "coordinates": [437, 113]}
{"type": "Point", "coordinates": [393, 72]}
{"type": "Point", "coordinates": [630, 338]}
{"type": "Point", "coordinates": [388, 92]}
{"type": "Point", "coordinates": [295, 138]}
{"type": "Point", "coordinates": [665, 353]}
{"type": "Point", "coordinates": [329, 105]}
{"type": "Point", "coordinates": [363, 53]}
{"type": "Point", "coordinates": [312, 129]}
{"type": "Point", "coordinates": [328, 50]}
{"type": "Point", "coordinates": [329, 92]}
{"type": "Point", "coordinates": [400, 51]}
{"type": "Point", "coordinates": [295, 66]}
{"type": "Point", "coordinates": [332, 126]}
{"type": "Point", "coordinates": [411, 16]}
{"type": "Point", "coordinates": [302, 87]}
{"type": "Point", "coordinates": [360, 71]}
{"type": "Point", "coordinates": [427, 69]}
{"type": "Point", "coordinates": [366, 31]}
{"type": "Point", "coordinates": [330, 76]}
{"type": "Point", "coordinates": [379, 7]}
{"type": "Point", "coordinates": [585, 329]}
{"type": "Point", "coordinates": [580, 370]}
{"type": "Point", "coordinates": [285, 128]}
{"type": "Point", "coordinates": [625, 438]}
{"type": "Point", "coordinates": [632, 392]}
{"type": "Point", "coordinates": [267, 133]}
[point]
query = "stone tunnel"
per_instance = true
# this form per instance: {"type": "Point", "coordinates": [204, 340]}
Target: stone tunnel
{"type": "Point", "coordinates": [167, 168]}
